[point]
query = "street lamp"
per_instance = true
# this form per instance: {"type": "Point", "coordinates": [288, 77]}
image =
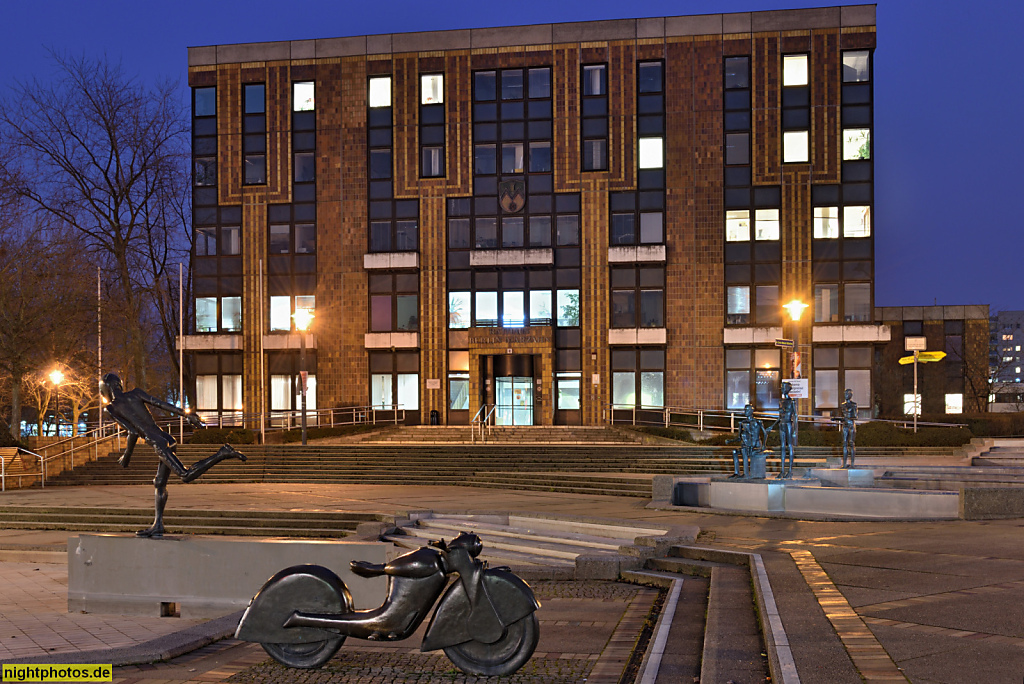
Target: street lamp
{"type": "Point", "coordinates": [795, 309]}
{"type": "Point", "coordinates": [57, 377]}
{"type": "Point", "coordinates": [303, 317]}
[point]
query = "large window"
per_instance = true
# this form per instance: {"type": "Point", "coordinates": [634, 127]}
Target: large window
{"type": "Point", "coordinates": [283, 307]}
{"type": "Point", "coordinates": [796, 109]}
{"type": "Point", "coordinates": [638, 297]}
{"type": "Point", "coordinates": [594, 120]}
{"type": "Point", "coordinates": [254, 138]}
{"type": "Point", "coordinates": [638, 378]}
{"type": "Point", "coordinates": [839, 369]}
{"type": "Point", "coordinates": [394, 302]}
{"type": "Point", "coordinates": [752, 376]}
{"type": "Point", "coordinates": [219, 387]}
{"type": "Point", "coordinates": [394, 380]}
{"type": "Point", "coordinates": [432, 126]}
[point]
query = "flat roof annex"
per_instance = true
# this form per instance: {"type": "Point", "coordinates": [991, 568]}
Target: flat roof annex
{"type": "Point", "coordinates": [537, 34]}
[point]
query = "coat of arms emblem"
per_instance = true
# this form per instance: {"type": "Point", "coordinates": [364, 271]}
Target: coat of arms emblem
{"type": "Point", "coordinates": [512, 195]}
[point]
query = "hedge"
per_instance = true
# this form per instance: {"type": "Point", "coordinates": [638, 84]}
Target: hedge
{"type": "Point", "coordinates": [222, 436]}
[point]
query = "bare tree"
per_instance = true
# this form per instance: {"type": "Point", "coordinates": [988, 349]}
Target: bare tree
{"type": "Point", "coordinates": [46, 313]}
{"type": "Point", "coordinates": [105, 155]}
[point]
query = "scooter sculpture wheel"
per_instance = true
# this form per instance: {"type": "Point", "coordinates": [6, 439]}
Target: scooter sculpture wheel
{"type": "Point", "coordinates": [506, 655]}
{"type": "Point", "coordinates": [311, 655]}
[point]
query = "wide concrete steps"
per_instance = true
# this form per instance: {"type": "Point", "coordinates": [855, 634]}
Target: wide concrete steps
{"type": "Point", "coordinates": [526, 542]}
{"type": "Point", "coordinates": [505, 435]}
{"type": "Point", "coordinates": [299, 524]}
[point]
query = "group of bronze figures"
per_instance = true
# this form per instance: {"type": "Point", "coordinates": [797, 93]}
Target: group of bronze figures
{"type": "Point", "coordinates": [753, 437]}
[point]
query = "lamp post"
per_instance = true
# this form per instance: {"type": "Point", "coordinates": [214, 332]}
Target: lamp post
{"type": "Point", "coordinates": [303, 317]}
{"type": "Point", "coordinates": [57, 377]}
{"type": "Point", "coordinates": [796, 309]}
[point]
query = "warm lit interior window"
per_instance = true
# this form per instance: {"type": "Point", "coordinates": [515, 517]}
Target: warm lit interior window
{"type": "Point", "coordinates": [302, 100]}
{"type": "Point", "coordinates": [855, 66]}
{"type": "Point", "coordinates": [794, 70]}
{"type": "Point", "coordinates": [954, 403]}
{"type": "Point", "coordinates": [432, 89]}
{"type": "Point", "coordinates": [856, 222]}
{"type": "Point", "coordinates": [826, 222]}
{"type": "Point", "coordinates": [911, 404]}
{"type": "Point", "coordinates": [794, 146]}
{"type": "Point", "coordinates": [737, 225]}
{"type": "Point", "coordinates": [651, 155]}
{"type": "Point", "coordinates": [766, 224]}
{"type": "Point", "coordinates": [856, 143]}
{"type": "Point", "coordinates": [380, 91]}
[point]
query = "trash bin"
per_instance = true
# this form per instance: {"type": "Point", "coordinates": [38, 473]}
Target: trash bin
{"type": "Point", "coordinates": [435, 417]}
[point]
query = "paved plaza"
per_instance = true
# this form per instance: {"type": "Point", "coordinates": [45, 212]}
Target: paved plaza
{"type": "Point", "coordinates": [875, 601]}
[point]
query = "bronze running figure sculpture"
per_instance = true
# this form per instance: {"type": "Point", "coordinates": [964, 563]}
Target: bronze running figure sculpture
{"type": "Point", "coordinates": [129, 410]}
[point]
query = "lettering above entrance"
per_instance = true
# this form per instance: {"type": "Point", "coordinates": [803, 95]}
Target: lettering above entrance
{"type": "Point", "coordinates": [509, 338]}
{"type": "Point", "coordinates": [512, 195]}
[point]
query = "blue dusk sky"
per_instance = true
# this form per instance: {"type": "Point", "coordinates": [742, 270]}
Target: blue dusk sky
{"type": "Point", "coordinates": [948, 99]}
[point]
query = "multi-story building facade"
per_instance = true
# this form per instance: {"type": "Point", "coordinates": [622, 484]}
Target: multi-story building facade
{"type": "Point", "coordinates": [559, 220]}
{"type": "Point", "coordinates": [959, 383]}
{"type": "Point", "coordinates": [1005, 360]}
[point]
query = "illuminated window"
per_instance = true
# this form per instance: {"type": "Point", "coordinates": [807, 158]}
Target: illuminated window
{"type": "Point", "coordinates": [431, 89]}
{"type": "Point", "coordinates": [856, 143]}
{"type": "Point", "coordinates": [651, 156]}
{"type": "Point", "coordinates": [302, 96]}
{"type": "Point", "coordinates": [954, 403]}
{"type": "Point", "coordinates": [737, 305]}
{"type": "Point", "coordinates": [380, 91]}
{"type": "Point", "coordinates": [795, 146]}
{"type": "Point", "coordinates": [856, 66]}
{"type": "Point", "coordinates": [737, 225]}
{"type": "Point", "coordinates": [856, 222]}
{"type": "Point", "coordinates": [911, 404]}
{"type": "Point", "coordinates": [766, 224]}
{"type": "Point", "coordinates": [826, 222]}
{"type": "Point", "coordinates": [794, 70]}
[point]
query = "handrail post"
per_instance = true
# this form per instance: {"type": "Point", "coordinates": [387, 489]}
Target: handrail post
{"type": "Point", "coordinates": [700, 420]}
{"type": "Point", "coordinates": [3, 475]}
{"type": "Point", "coordinates": [634, 414]}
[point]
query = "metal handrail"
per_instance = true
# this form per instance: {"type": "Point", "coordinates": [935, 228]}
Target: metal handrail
{"type": "Point", "coordinates": [482, 421]}
{"type": "Point", "coordinates": [703, 416]}
{"type": "Point", "coordinates": [3, 469]}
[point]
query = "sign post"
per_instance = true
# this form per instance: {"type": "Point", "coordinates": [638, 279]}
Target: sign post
{"type": "Point", "coordinates": [916, 345]}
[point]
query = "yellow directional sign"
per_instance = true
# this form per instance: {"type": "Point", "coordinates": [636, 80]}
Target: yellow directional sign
{"type": "Point", "coordinates": [923, 357]}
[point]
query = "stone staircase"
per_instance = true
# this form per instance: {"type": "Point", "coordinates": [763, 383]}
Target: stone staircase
{"type": "Point", "coordinates": [711, 608]}
{"type": "Point", "coordinates": [502, 435]}
{"type": "Point", "coordinates": [998, 464]}
{"type": "Point", "coordinates": [622, 470]}
{"type": "Point", "coordinates": [302, 524]}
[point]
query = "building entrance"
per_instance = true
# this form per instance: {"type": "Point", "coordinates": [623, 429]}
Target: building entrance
{"type": "Point", "coordinates": [509, 387]}
{"type": "Point", "coordinates": [514, 405]}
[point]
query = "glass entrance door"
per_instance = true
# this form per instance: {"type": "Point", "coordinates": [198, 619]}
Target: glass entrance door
{"type": "Point", "coordinates": [514, 399]}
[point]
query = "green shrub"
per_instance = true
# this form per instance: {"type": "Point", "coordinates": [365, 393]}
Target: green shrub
{"type": "Point", "coordinates": [222, 436]}
{"type": "Point", "coordinates": [292, 436]}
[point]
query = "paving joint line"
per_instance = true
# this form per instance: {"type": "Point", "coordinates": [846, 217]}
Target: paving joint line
{"type": "Point", "coordinates": [869, 657]}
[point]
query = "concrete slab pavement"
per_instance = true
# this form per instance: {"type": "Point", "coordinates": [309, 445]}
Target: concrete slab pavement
{"type": "Point", "coordinates": [964, 578]}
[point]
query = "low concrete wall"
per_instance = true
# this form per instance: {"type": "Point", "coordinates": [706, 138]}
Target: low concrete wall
{"type": "Point", "coordinates": [204, 576]}
{"type": "Point", "coordinates": [987, 503]}
{"type": "Point", "coordinates": [871, 503]}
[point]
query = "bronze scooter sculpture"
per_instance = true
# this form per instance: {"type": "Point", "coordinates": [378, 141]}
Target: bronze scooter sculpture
{"type": "Point", "coordinates": [485, 621]}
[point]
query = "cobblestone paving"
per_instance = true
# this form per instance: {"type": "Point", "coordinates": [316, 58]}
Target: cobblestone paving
{"type": "Point", "coordinates": [362, 667]}
{"type": "Point", "coordinates": [581, 623]}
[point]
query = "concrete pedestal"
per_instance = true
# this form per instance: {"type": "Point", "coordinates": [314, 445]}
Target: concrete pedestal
{"type": "Point", "coordinates": [747, 495]}
{"type": "Point", "coordinates": [200, 576]}
{"type": "Point", "coordinates": [844, 477]}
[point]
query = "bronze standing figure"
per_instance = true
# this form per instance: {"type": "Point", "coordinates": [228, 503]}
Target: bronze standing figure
{"type": "Point", "coordinates": [849, 428]}
{"type": "Point", "coordinates": [787, 429]}
{"type": "Point", "coordinates": [129, 410]}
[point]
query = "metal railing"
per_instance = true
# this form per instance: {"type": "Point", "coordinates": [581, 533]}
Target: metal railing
{"type": "Point", "coordinates": [724, 420]}
{"type": "Point", "coordinates": [377, 414]}
{"type": "Point", "coordinates": [20, 476]}
{"type": "Point", "coordinates": [484, 418]}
